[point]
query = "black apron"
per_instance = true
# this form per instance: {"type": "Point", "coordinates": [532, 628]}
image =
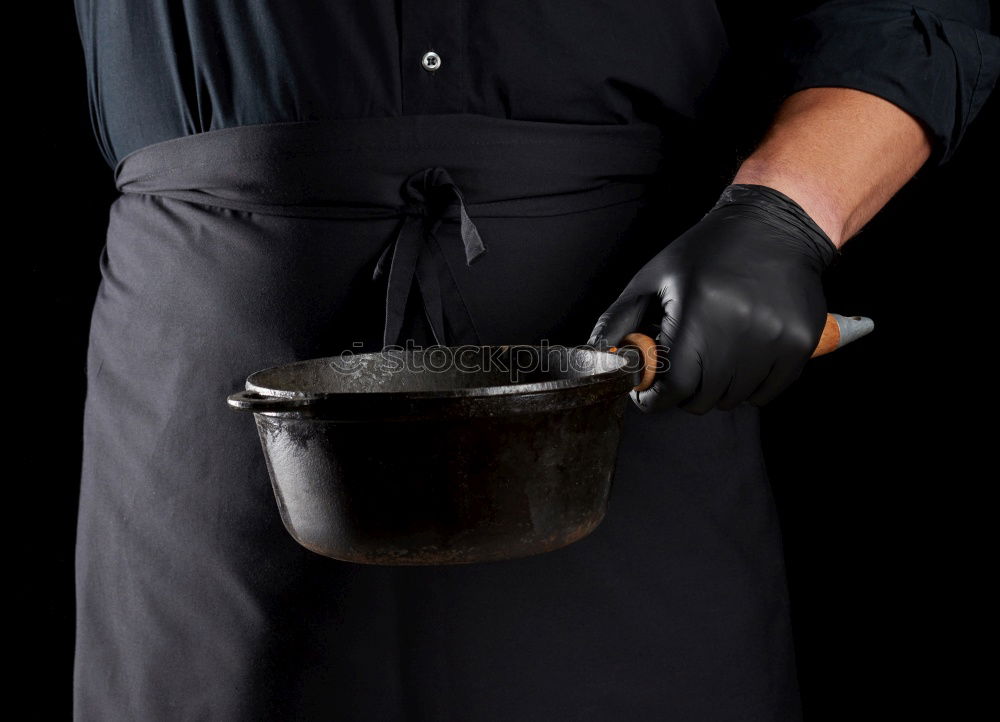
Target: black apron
{"type": "Point", "coordinates": [237, 249]}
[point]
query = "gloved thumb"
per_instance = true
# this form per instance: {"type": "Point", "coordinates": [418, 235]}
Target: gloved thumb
{"type": "Point", "coordinates": [620, 319]}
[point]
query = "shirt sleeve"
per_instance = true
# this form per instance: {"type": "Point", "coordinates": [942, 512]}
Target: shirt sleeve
{"type": "Point", "coordinates": [935, 59]}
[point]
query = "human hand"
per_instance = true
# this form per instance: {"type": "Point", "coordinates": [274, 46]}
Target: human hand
{"type": "Point", "coordinates": [740, 301]}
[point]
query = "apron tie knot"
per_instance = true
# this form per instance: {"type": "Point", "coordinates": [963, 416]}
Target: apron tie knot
{"type": "Point", "coordinates": [415, 258]}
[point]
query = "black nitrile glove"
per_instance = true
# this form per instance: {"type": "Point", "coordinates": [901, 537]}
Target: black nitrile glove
{"type": "Point", "coordinates": [741, 301]}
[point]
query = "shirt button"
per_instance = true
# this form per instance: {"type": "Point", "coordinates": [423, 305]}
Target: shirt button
{"type": "Point", "coordinates": [431, 61]}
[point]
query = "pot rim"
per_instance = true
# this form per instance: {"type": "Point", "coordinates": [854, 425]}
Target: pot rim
{"type": "Point", "coordinates": [464, 393]}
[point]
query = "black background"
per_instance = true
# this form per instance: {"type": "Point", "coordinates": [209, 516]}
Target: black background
{"type": "Point", "coordinates": [879, 455]}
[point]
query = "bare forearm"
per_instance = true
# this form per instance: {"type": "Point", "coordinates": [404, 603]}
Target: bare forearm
{"type": "Point", "coordinates": [839, 153]}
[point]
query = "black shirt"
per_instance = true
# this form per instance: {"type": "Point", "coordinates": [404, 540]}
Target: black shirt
{"type": "Point", "coordinates": [160, 69]}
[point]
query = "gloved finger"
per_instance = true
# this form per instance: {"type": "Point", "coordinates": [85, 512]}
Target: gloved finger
{"type": "Point", "coordinates": [725, 377]}
{"type": "Point", "coordinates": [741, 386]}
{"type": "Point", "coordinates": [620, 319]}
{"type": "Point", "coordinates": [785, 371]}
{"type": "Point", "coordinates": [746, 379]}
{"type": "Point", "coordinates": [678, 382]}
{"type": "Point", "coordinates": [716, 378]}
{"type": "Point", "coordinates": [679, 344]}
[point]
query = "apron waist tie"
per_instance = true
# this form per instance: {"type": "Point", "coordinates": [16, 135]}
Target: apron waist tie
{"type": "Point", "coordinates": [415, 258]}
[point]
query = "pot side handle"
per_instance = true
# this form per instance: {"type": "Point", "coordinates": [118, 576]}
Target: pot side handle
{"type": "Point", "coordinates": [253, 401]}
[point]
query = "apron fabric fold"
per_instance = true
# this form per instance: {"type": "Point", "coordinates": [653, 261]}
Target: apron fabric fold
{"type": "Point", "coordinates": [238, 249]}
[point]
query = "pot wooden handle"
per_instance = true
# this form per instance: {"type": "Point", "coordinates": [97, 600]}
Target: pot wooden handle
{"type": "Point", "coordinates": [838, 331]}
{"type": "Point", "coordinates": [646, 345]}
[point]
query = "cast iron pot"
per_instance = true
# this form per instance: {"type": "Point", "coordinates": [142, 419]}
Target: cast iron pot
{"type": "Point", "coordinates": [443, 455]}
{"type": "Point", "coordinates": [452, 455]}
